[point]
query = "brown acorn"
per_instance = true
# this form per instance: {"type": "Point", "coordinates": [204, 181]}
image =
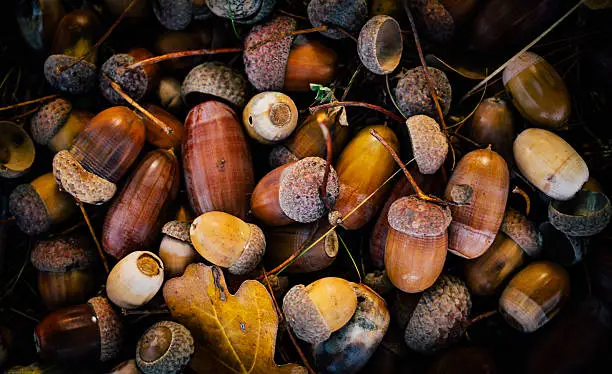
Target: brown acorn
{"type": "Point", "coordinates": [413, 96]}
{"type": "Point", "coordinates": [173, 14]}
{"type": "Point", "coordinates": [380, 44]}
{"type": "Point", "coordinates": [493, 123]}
{"type": "Point", "coordinates": [76, 33]}
{"type": "Point", "coordinates": [157, 137]}
{"type": "Point", "coordinates": [17, 151]}
{"type": "Point", "coordinates": [137, 13]}
{"type": "Point", "coordinates": [429, 144]}
{"type": "Point", "coordinates": [169, 94]}
{"type": "Point", "coordinates": [175, 249]}
{"type": "Point", "coordinates": [349, 15]}
{"type": "Point", "coordinates": [176, 41]}
{"type": "Point", "coordinates": [37, 20]}
{"type": "Point", "coordinates": [166, 347]}
{"type": "Point", "coordinates": [213, 80]}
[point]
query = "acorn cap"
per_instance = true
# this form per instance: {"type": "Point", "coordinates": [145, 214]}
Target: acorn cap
{"type": "Point", "coordinates": [440, 315]}
{"type": "Point", "coordinates": [252, 254]}
{"type": "Point", "coordinates": [413, 95]}
{"type": "Point", "coordinates": [49, 119]}
{"type": "Point", "coordinates": [380, 44]}
{"type": "Point", "coordinates": [77, 79]}
{"type": "Point", "coordinates": [586, 214]}
{"type": "Point", "coordinates": [216, 80]}
{"type": "Point", "coordinates": [174, 358]}
{"type": "Point", "coordinates": [84, 186]}
{"type": "Point", "coordinates": [559, 247]}
{"type": "Point", "coordinates": [299, 189]}
{"type": "Point", "coordinates": [265, 65]}
{"type": "Point", "coordinates": [350, 15]}
{"type": "Point", "coordinates": [429, 145]}
{"type": "Point", "coordinates": [265, 9]}
{"type": "Point", "coordinates": [177, 230]}
{"type": "Point", "coordinates": [304, 317]}
{"type": "Point", "coordinates": [173, 14]}
{"type": "Point", "coordinates": [235, 9]}
{"type": "Point", "coordinates": [62, 254]}
{"type": "Point", "coordinates": [29, 210]}
{"type": "Point", "coordinates": [415, 217]}
{"type": "Point", "coordinates": [522, 231]}
{"type": "Point", "coordinates": [436, 19]}
{"type": "Point", "coordinates": [281, 155]}
{"type": "Point", "coordinates": [17, 150]}
{"type": "Point", "coordinates": [109, 325]}
{"type": "Point", "coordinates": [518, 64]}
{"type": "Point", "coordinates": [134, 82]}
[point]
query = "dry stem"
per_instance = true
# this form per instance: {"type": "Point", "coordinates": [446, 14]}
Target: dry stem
{"type": "Point", "coordinates": [181, 54]}
{"type": "Point", "coordinates": [519, 191]}
{"type": "Point", "coordinates": [358, 104]}
{"type": "Point", "coordinates": [323, 121]}
{"type": "Point", "coordinates": [93, 235]}
{"type": "Point", "coordinates": [24, 103]}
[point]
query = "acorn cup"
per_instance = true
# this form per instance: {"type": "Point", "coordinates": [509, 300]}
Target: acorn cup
{"type": "Point", "coordinates": [534, 296]}
{"type": "Point", "coordinates": [37, 20]}
{"type": "Point", "coordinates": [270, 117]}
{"type": "Point", "coordinates": [559, 247]}
{"type": "Point", "coordinates": [216, 160]}
{"type": "Point", "coordinates": [155, 135]}
{"type": "Point", "coordinates": [84, 332]}
{"type": "Point", "coordinates": [56, 124]}
{"type": "Point", "coordinates": [175, 249]}
{"type": "Point", "coordinates": [173, 14]}
{"type": "Point", "coordinates": [586, 214]}
{"type": "Point", "coordinates": [213, 80]}
{"type": "Point", "coordinates": [241, 11]}
{"type": "Point", "coordinates": [166, 347]}
{"type": "Point", "coordinates": [349, 15]}
{"type": "Point", "coordinates": [66, 273]}
{"type": "Point", "coordinates": [286, 64]}
{"type": "Point", "coordinates": [493, 123]}
{"type": "Point", "coordinates": [538, 92]}
{"type": "Point", "coordinates": [429, 144]}
{"type": "Point", "coordinates": [76, 33]}
{"type": "Point", "coordinates": [17, 151]}
{"type": "Point", "coordinates": [475, 225]}
{"type": "Point", "coordinates": [137, 214]}
{"type": "Point", "coordinates": [100, 155]}
{"type": "Point", "coordinates": [380, 44]}
{"type": "Point", "coordinates": [135, 279]}
{"type": "Point", "coordinates": [413, 95]}
{"type": "Point", "coordinates": [292, 193]}
{"type": "Point", "coordinates": [363, 166]}
{"type": "Point", "coordinates": [228, 241]}
{"type": "Point", "coordinates": [315, 311]}
{"type": "Point", "coordinates": [40, 204]}
{"type": "Point", "coordinates": [550, 163]}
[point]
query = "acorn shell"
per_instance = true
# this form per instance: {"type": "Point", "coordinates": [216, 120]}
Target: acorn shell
{"type": "Point", "coordinates": [173, 14]}
{"type": "Point", "coordinates": [49, 119]}
{"type": "Point", "coordinates": [178, 230]}
{"type": "Point", "coordinates": [270, 117]}
{"type": "Point", "coordinates": [348, 14]}
{"type": "Point", "coordinates": [380, 44]}
{"type": "Point", "coordinates": [177, 351]}
{"type": "Point", "coordinates": [586, 214]}
{"type": "Point", "coordinates": [109, 324]}
{"type": "Point", "coordinates": [413, 95]}
{"type": "Point", "coordinates": [135, 279]}
{"type": "Point", "coordinates": [79, 78]}
{"type": "Point", "coordinates": [522, 231]}
{"type": "Point", "coordinates": [17, 151]}
{"type": "Point", "coordinates": [429, 145]}
{"type": "Point", "coordinates": [62, 254]}
{"type": "Point", "coordinates": [559, 247]}
{"type": "Point", "coordinates": [419, 218]}
{"type": "Point", "coordinates": [213, 79]}
{"type": "Point", "coordinates": [134, 82]}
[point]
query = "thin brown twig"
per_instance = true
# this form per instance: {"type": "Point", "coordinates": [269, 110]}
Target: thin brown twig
{"type": "Point", "coordinates": [24, 314]}
{"type": "Point", "coordinates": [182, 54]}
{"type": "Point", "coordinates": [24, 103]}
{"type": "Point", "coordinates": [291, 14]}
{"type": "Point", "coordinates": [323, 121]}
{"type": "Point", "coordinates": [93, 235]}
{"type": "Point", "coordinates": [477, 145]}
{"type": "Point", "coordinates": [358, 104]}
{"type": "Point", "coordinates": [481, 317]}
{"type": "Point", "coordinates": [335, 27]}
{"type": "Point", "coordinates": [24, 115]}
{"type": "Point", "coordinates": [129, 312]}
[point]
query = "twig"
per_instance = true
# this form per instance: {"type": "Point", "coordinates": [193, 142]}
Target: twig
{"type": "Point", "coordinates": [323, 121]}
{"type": "Point", "coordinates": [127, 312]}
{"type": "Point", "coordinates": [481, 317]}
{"type": "Point", "coordinates": [477, 145]}
{"type": "Point", "coordinates": [350, 256]}
{"type": "Point", "coordinates": [26, 114]}
{"type": "Point", "coordinates": [392, 96]}
{"type": "Point", "coordinates": [181, 54]}
{"type": "Point", "coordinates": [358, 104]}
{"type": "Point", "coordinates": [350, 83]}
{"type": "Point", "coordinates": [93, 235]}
{"type": "Point", "coordinates": [24, 314]}
{"type": "Point", "coordinates": [336, 27]}
{"type": "Point", "coordinates": [24, 103]}
{"type": "Point", "coordinates": [291, 14]}
{"type": "Point", "coordinates": [519, 191]}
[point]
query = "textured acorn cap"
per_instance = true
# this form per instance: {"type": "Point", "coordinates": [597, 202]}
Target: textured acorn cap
{"type": "Point", "coordinates": [429, 145]}
{"type": "Point", "coordinates": [304, 317]}
{"type": "Point", "coordinates": [77, 79]}
{"type": "Point", "coordinates": [586, 214]}
{"type": "Point", "coordinates": [177, 230]}
{"type": "Point", "coordinates": [265, 9]}
{"type": "Point", "coordinates": [62, 254]}
{"type": "Point", "coordinates": [175, 358]}
{"type": "Point", "coordinates": [29, 209]}
{"type": "Point", "coordinates": [109, 325]}
{"type": "Point", "coordinates": [173, 14]}
{"type": "Point", "coordinates": [49, 119]}
{"type": "Point", "coordinates": [252, 254]}
{"type": "Point", "coordinates": [522, 231]}
{"type": "Point", "coordinates": [415, 217]}
{"type": "Point", "coordinates": [440, 316]}
{"type": "Point", "coordinates": [265, 65]}
{"type": "Point", "coordinates": [281, 155]}
{"type": "Point", "coordinates": [299, 189]}
{"type": "Point", "coordinates": [134, 82]}
{"type": "Point", "coordinates": [216, 80]}
{"type": "Point", "coordinates": [413, 94]}
{"type": "Point", "coordinates": [436, 19]}
{"type": "Point", "coordinates": [518, 64]}
{"type": "Point", "coordinates": [84, 186]}
{"type": "Point", "coordinates": [380, 44]}
{"type": "Point", "coordinates": [236, 9]}
{"type": "Point", "coordinates": [350, 15]}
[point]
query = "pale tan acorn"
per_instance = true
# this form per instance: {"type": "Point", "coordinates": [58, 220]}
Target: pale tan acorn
{"type": "Point", "coordinates": [175, 249]}
{"type": "Point", "coordinates": [270, 117]}
{"type": "Point", "coordinates": [135, 279]}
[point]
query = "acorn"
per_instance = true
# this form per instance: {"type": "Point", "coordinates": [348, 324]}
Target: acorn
{"type": "Point", "coordinates": [100, 155]}
{"type": "Point", "coordinates": [158, 138]}
{"type": "Point", "coordinates": [175, 249]}
{"type": "Point", "coordinates": [315, 311]}
{"type": "Point", "coordinates": [534, 296]}
{"type": "Point", "coordinates": [37, 20]}
{"type": "Point", "coordinates": [216, 160]}
{"type": "Point", "coordinates": [17, 151]}
{"type": "Point", "coordinates": [217, 81]}
{"type": "Point", "coordinates": [65, 270]}
{"type": "Point", "coordinates": [166, 347]}
{"type": "Point", "coordinates": [363, 166]}
{"type": "Point", "coordinates": [413, 95]}
{"type": "Point", "coordinates": [493, 123]}
{"type": "Point", "coordinates": [177, 41]}
{"type": "Point", "coordinates": [76, 33]}
{"type": "Point", "coordinates": [550, 163]}
{"type": "Point", "coordinates": [169, 94]}
{"type": "Point", "coordinates": [350, 348]}
{"type": "Point", "coordinates": [291, 193]}
{"type": "Point", "coordinates": [429, 144]}
{"type": "Point", "coordinates": [441, 18]}
{"type": "Point", "coordinates": [40, 204]}
{"type": "Point", "coordinates": [286, 64]}
{"type": "Point", "coordinates": [380, 45]}
{"type": "Point", "coordinates": [56, 124]}
{"type": "Point", "coordinates": [84, 332]}
{"type": "Point", "coordinates": [241, 11]}
{"type": "Point", "coordinates": [559, 247]}
{"type": "Point", "coordinates": [173, 14]}
{"type": "Point", "coordinates": [538, 92]}
{"type": "Point", "coordinates": [137, 13]}
{"type": "Point", "coordinates": [228, 241]}
{"type": "Point", "coordinates": [270, 117]}
{"type": "Point", "coordinates": [440, 316]}
{"type": "Point", "coordinates": [349, 15]}
{"type": "Point", "coordinates": [135, 279]}
{"type": "Point", "coordinates": [586, 214]}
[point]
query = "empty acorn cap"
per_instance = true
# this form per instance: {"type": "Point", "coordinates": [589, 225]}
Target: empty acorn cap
{"type": "Point", "coordinates": [109, 325]}
{"type": "Point", "coordinates": [350, 15]}
{"type": "Point", "coordinates": [429, 145]}
{"type": "Point", "coordinates": [522, 231]}
{"type": "Point", "coordinates": [29, 210]}
{"type": "Point", "coordinates": [265, 63]}
{"type": "Point", "coordinates": [134, 82]}
{"type": "Point", "coordinates": [49, 119]}
{"type": "Point", "coordinates": [299, 189]}
{"type": "Point", "coordinates": [84, 186]}
{"type": "Point", "coordinates": [281, 155]}
{"type": "Point", "coordinates": [252, 254]}
{"type": "Point", "coordinates": [380, 44]}
{"type": "Point", "coordinates": [17, 151]}
{"type": "Point", "coordinates": [586, 214]}
{"type": "Point", "coordinates": [419, 218]}
{"type": "Point", "coordinates": [213, 79]}
{"type": "Point", "coordinates": [518, 64]}
{"type": "Point", "coordinates": [166, 347]}
{"type": "Point", "coordinates": [173, 14]}
{"type": "Point", "coordinates": [413, 95]}
{"type": "Point", "coordinates": [62, 254]}
{"type": "Point", "coordinates": [178, 230]}
{"type": "Point", "coordinates": [79, 78]}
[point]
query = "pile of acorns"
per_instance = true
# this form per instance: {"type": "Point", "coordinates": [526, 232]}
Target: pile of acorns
{"type": "Point", "coordinates": [205, 150]}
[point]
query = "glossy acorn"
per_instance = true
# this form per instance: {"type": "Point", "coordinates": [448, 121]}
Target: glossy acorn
{"type": "Point", "coordinates": [37, 20]}
{"type": "Point", "coordinates": [270, 117]}
{"type": "Point", "coordinates": [166, 347]}
{"type": "Point", "coordinates": [176, 41]}
{"type": "Point", "coordinates": [380, 44]}
{"type": "Point", "coordinates": [213, 80]}
{"type": "Point", "coordinates": [413, 95]}
{"type": "Point", "coordinates": [76, 33]}
{"type": "Point", "coordinates": [135, 279]}
{"type": "Point", "coordinates": [158, 138]}
{"type": "Point", "coordinates": [349, 15]}
{"type": "Point", "coordinates": [493, 123]}
{"type": "Point", "coordinates": [17, 151]}
{"type": "Point", "coordinates": [175, 249]}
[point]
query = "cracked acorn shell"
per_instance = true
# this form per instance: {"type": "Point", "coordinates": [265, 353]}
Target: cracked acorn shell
{"type": "Point", "coordinates": [135, 279]}
{"type": "Point", "coordinates": [315, 311]}
{"type": "Point", "coordinates": [136, 82]}
{"type": "Point", "coordinates": [270, 117]}
{"type": "Point", "coordinates": [17, 151]}
{"type": "Point", "coordinates": [412, 92]}
{"type": "Point", "coordinates": [228, 241]}
{"type": "Point", "coordinates": [429, 144]}
{"type": "Point", "coordinates": [349, 15]}
{"type": "Point", "coordinates": [213, 80]}
{"type": "Point", "coordinates": [380, 44]}
{"type": "Point", "coordinates": [166, 347]}
{"type": "Point", "coordinates": [175, 249]}
{"type": "Point", "coordinates": [586, 214]}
